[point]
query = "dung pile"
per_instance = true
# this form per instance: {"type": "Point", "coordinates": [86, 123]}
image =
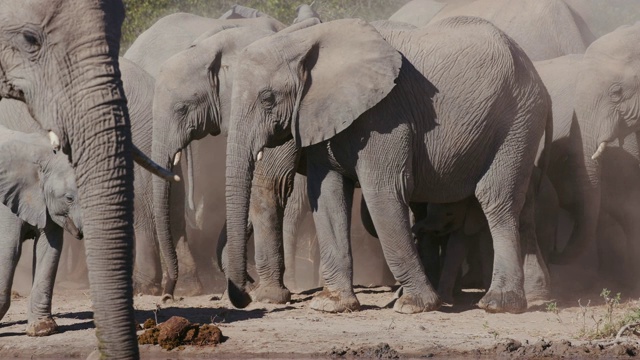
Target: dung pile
{"type": "Point", "coordinates": [178, 331]}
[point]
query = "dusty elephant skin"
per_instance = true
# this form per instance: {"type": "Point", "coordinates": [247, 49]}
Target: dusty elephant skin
{"type": "Point", "coordinates": [276, 104]}
{"type": "Point", "coordinates": [61, 59]}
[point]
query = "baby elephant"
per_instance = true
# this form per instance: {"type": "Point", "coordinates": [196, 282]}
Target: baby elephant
{"type": "Point", "coordinates": [38, 187]}
{"type": "Point", "coordinates": [447, 232]}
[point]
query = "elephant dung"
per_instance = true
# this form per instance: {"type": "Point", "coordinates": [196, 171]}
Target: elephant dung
{"type": "Point", "coordinates": [178, 331]}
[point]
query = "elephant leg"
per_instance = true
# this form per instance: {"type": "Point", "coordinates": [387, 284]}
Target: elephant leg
{"type": "Point", "coordinates": [147, 269]}
{"type": "Point", "coordinates": [429, 247]}
{"type": "Point", "coordinates": [188, 282]}
{"type": "Point", "coordinates": [626, 214]}
{"type": "Point", "coordinates": [269, 248]}
{"type": "Point", "coordinates": [537, 284]}
{"type": "Point", "coordinates": [391, 217]}
{"type": "Point", "coordinates": [47, 250]}
{"type": "Point", "coordinates": [10, 250]}
{"type": "Point", "coordinates": [485, 248]}
{"type": "Point", "coordinates": [456, 253]}
{"type": "Point", "coordinates": [331, 198]}
{"type": "Point", "coordinates": [297, 207]}
{"type": "Point", "coordinates": [501, 204]}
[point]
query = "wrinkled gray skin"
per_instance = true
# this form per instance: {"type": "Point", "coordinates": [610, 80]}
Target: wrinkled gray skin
{"type": "Point", "coordinates": [465, 226]}
{"type": "Point", "coordinates": [545, 29]}
{"type": "Point", "coordinates": [68, 75]}
{"type": "Point", "coordinates": [192, 100]}
{"type": "Point", "coordinates": [279, 95]}
{"type": "Point", "coordinates": [596, 99]}
{"type": "Point", "coordinates": [39, 188]}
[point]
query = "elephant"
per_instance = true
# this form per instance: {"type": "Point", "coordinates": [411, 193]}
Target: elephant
{"type": "Point", "coordinates": [464, 227]}
{"type": "Point", "coordinates": [39, 190]}
{"type": "Point", "coordinates": [68, 75]}
{"type": "Point", "coordinates": [440, 121]}
{"type": "Point", "coordinates": [191, 101]}
{"type": "Point", "coordinates": [595, 102]}
{"type": "Point", "coordinates": [165, 38]}
{"type": "Point", "coordinates": [545, 29]}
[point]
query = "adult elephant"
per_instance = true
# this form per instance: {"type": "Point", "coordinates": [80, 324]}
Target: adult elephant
{"type": "Point", "coordinates": [597, 107]}
{"type": "Point", "coordinates": [68, 75]}
{"type": "Point", "coordinates": [545, 29]}
{"type": "Point", "coordinates": [192, 100]}
{"type": "Point", "coordinates": [493, 118]}
{"type": "Point", "coordinates": [167, 37]}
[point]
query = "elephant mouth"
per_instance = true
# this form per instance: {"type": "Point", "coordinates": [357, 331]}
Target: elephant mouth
{"type": "Point", "coordinates": [71, 227]}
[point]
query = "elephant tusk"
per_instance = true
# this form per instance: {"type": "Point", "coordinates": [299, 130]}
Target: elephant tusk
{"type": "Point", "coordinates": [260, 155]}
{"type": "Point", "coordinates": [55, 140]}
{"type": "Point", "coordinates": [176, 159]}
{"type": "Point", "coordinates": [600, 151]}
{"type": "Point", "coordinates": [148, 164]}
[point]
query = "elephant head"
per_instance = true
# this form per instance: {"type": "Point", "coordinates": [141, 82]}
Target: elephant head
{"type": "Point", "coordinates": [61, 58]}
{"type": "Point", "coordinates": [191, 100]}
{"type": "Point", "coordinates": [309, 85]}
{"type": "Point", "coordinates": [38, 184]}
{"type": "Point", "coordinates": [607, 109]}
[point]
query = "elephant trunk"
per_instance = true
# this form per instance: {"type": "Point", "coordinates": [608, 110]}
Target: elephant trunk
{"type": "Point", "coordinates": [239, 174]}
{"type": "Point", "coordinates": [163, 154]}
{"type": "Point", "coordinates": [103, 163]}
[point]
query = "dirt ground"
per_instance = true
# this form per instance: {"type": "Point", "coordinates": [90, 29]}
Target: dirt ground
{"type": "Point", "coordinates": [294, 331]}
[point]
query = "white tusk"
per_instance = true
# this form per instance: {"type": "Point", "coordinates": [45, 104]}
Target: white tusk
{"type": "Point", "coordinates": [176, 159]}
{"type": "Point", "coordinates": [55, 140]}
{"type": "Point", "coordinates": [260, 156]}
{"type": "Point", "coordinates": [599, 152]}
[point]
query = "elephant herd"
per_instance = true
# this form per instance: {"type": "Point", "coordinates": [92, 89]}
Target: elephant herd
{"type": "Point", "coordinates": [473, 129]}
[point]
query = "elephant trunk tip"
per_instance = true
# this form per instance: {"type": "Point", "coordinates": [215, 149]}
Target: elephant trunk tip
{"type": "Point", "coordinates": [237, 295]}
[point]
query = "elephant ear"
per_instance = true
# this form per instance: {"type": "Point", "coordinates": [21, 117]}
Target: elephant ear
{"type": "Point", "coordinates": [20, 186]}
{"type": "Point", "coordinates": [346, 68]}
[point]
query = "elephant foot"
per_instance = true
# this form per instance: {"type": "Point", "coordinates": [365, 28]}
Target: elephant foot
{"type": "Point", "coordinates": [416, 303]}
{"type": "Point", "coordinates": [271, 294]}
{"type": "Point", "coordinates": [495, 301]}
{"type": "Point", "coordinates": [446, 297]}
{"type": "Point", "coordinates": [335, 301]}
{"type": "Point", "coordinates": [537, 285]}
{"type": "Point", "coordinates": [42, 327]}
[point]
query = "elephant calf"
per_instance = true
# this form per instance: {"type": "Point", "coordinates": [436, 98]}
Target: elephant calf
{"type": "Point", "coordinates": [461, 226]}
{"type": "Point", "coordinates": [38, 187]}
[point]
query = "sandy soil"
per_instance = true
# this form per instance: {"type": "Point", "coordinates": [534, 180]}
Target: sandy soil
{"type": "Point", "coordinates": [295, 331]}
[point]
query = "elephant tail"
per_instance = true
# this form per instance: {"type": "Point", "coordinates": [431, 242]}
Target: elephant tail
{"type": "Point", "coordinates": [545, 157]}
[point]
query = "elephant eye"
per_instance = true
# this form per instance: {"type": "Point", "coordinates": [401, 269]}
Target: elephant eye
{"type": "Point", "coordinates": [182, 109]}
{"type": "Point", "coordinates": [615, 92]}
{"type": "Point", "coordinates": [267, 99]}
{"type": "Point", "coordinates": [70, 198]}
{"type": "Point", "coordinates": [30, 41]}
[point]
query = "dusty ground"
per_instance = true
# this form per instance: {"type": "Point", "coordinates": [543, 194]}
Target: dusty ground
{"type": "Point", "coordinates": [294, 331]}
